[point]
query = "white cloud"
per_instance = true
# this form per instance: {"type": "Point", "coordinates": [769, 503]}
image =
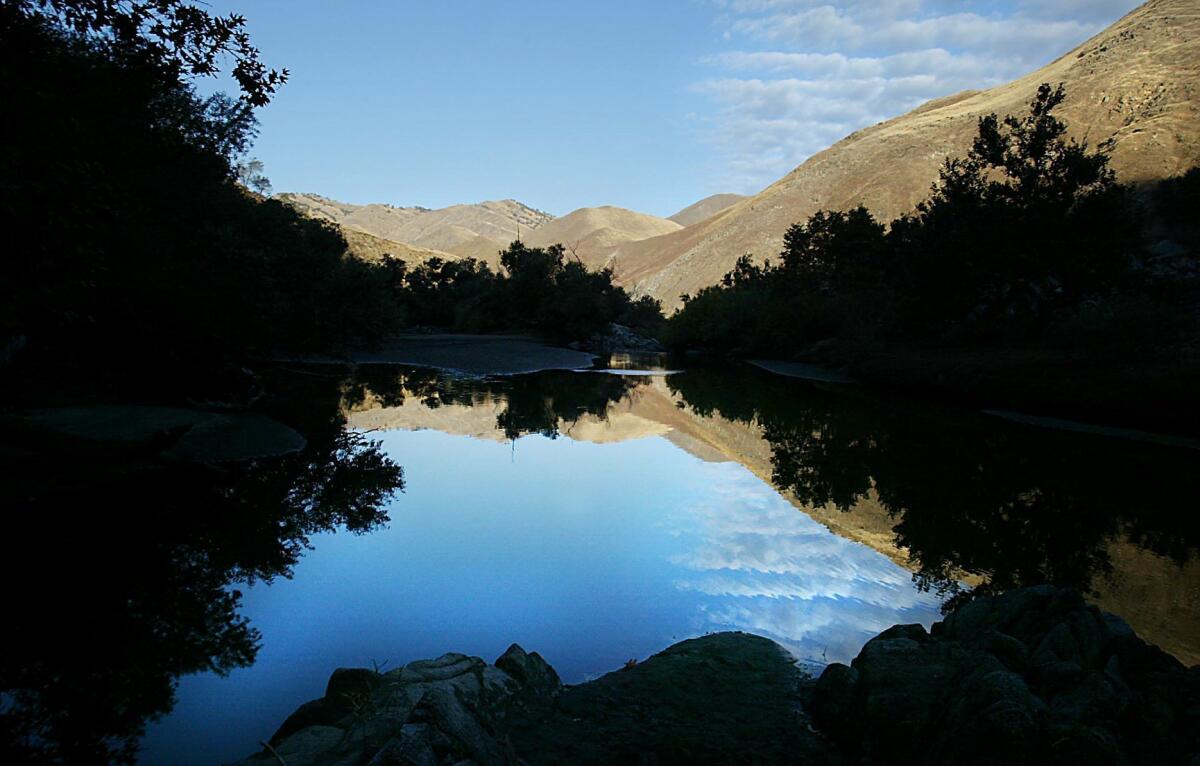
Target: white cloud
{"type": "Point", "coordinates": [806, 73]}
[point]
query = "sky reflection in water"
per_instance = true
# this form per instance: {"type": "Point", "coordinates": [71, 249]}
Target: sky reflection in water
{"type": "Point", "coordinates": [588, 553]}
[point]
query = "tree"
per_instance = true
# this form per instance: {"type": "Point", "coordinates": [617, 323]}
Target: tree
{"type": "Point", "coordinates": [1028, 222]}
{"type": "Point", "coordinates": [250, 174]}
{"type": "Point", "coordinates": [129, 239]}
{"type": "Point", "coordinates": [836, 251]}
{"type": "Point", "coordinates": [177, 36]}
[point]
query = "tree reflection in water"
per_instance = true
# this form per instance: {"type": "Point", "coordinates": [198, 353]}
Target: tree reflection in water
{"type": "Point", "coordinates": [539, 403]}
{"type": "Point", "coordinates": [121, 572]}
{"type": "Point", "coordinates": [969, 494]}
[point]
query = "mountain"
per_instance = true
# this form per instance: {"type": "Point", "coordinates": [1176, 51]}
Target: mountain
{"type": "Point", "coordinates": [705, 208]}
{"type": "Point", "coordinates": [1137, 83]}
{"type": "Point", "coordinates": [479, 231]}
{"type": "Point", "coordinates": [590, 232]}
{"type": "Point", "coordinates": [370, 248]}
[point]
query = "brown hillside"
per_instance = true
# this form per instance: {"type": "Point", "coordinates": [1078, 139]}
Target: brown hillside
{"type": "Point", "coordinates": [372, 249]}
{"type": "Point", "coordinates": [477, 231]}
{"type": "Point", "coordinates": [591, 232]}
{"type": "Point", "coordinates": [1137, 82]}
{"type": "Point", "coordinates": [706, 208]}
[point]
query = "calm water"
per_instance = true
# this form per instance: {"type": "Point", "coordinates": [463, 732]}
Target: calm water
{"type": "Point", "coordinates": [596, 517]}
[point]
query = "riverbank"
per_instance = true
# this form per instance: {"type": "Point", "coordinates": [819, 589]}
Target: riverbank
{"type": "Point", "coordinates": [464, 354]}
{"type": "Point", "coordinates": [1032, 676]}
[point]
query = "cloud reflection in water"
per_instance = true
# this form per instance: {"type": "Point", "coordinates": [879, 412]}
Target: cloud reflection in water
{"type": "Point", "coordinates": [766, 567]}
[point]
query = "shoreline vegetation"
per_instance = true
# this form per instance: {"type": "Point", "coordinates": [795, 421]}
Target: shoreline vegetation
{"type": "Point", "coordinates": [1029, 280]}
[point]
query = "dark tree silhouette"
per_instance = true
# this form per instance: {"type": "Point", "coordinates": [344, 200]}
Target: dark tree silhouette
{"type": "Point", "coordinates": [180, 37]}
{"type": "Point", "coordinates": [538, 289]}
{"type": "Point", "coordinates": [1027, 229]}
{"type": "Point", "coordinates": [122, 573]}
{"type": "Point", "coordinates": [1028, 222]}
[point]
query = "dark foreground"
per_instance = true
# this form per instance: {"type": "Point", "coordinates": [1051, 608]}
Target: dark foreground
{"type": "Point", "coordinates": [1033, 676]}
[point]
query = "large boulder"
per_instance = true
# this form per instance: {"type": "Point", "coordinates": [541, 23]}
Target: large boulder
{"type": "Point", "coordinates": [1032, 676]}
{"type": "Point", "coordinates": [529, 670]}
{"type": "Point", "coordinates": [722, 698]}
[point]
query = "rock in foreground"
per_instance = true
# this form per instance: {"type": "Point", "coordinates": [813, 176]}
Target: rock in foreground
{"type": "Point", "coordinates": [1030, 677]}
{"type": "Point", "coordinates": [723, 698]}
{"type": "Point", "coordinates": [1033, 676]}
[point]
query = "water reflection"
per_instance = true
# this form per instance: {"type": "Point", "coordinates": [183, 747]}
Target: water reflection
{"type": "Point", "coordinates": [541, 403]}
{"type": "Point", "coordinates": [969, 495]}
{"type": "Point", "coordinates": [120, 573]}
{"type": "Point", "coordinates": [768, 569]}
{"type": "Point", "coordinates": [736, 499]}
{"type": "Point", "coordinates": [967, 502]}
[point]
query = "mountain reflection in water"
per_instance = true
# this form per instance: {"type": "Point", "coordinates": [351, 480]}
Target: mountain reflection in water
{"type": "Point", "coordinates": [590, 516]}
{"type": "Point", "coordinates": [967, 502]}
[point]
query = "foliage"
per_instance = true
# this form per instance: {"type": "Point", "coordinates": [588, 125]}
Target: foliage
{"type": "Point", "coordinates": [835, 251]}
{"type": "Point", "coordinates": [130, 243]}
{"type": "Point", "coordinates": [446, 293]}
{"type": "Point", "coordinates": [250, 174]}
{"type": "Point", "coordinates": [1027, 223]}
{"type": "Point", "coordinates": [541, 403]}
{"type": "Point", "coordinates": [1176, 202]}
{"type": "Point", "coordinates": [148, 557]}
{"type": "Point", "coordinates": [830, 281]}
{"type": "Point", "coordinates": [538, 289]}
{"type": "Point", "coordinates": [174, 36]}
{"type": "Point", "coordinates": [1015, 239]}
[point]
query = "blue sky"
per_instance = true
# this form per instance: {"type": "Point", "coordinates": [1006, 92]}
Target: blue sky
{"type": "Point", "coordinates": [649, 105]}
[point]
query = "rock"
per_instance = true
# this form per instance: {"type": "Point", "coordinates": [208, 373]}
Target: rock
{"type": "Point", "coordinates": [1058, 645]}
{"type": "Point", "coordinates": [235, 437]}
{"type": "Point", "coordinates": [618, 338]}
{"type": "Point", "coordinates": [462, 735]}
{"type": "Point", "coordinates": [529, 670]}
{"type": "Point", "coordinates": [969, 691]}
{"type": "Point", "coordinates": [833, 700]}
{"type": "Point", "coordinates": [1058, 676]}
{"type": "Point", "coordinates": [312, 745]}
{"type": "Point", "coordinates": [1007, 649]}
{"type": "Point", "coordinates": [447, 666]}
{"type": "Point", "coordinates": [994, 721]}
{"type": "Point", "coordinates": [412, 747]}
{"type": "Point", "coordinates": [312, 713]}
{"type": "Point", "coordinates": [346, 688]}
{"type": "Point", "coordinates": [903, 684]}
{"type": "Point", "coordinates": [189, 435]}
{"type": "Point", "coordinates": [1085, 746]}
{"type": "Point", "coordinates": [1115, 627]}
{"type": "Point", "coordinates": [1097, 698]}
{"type": "Point", "coordinates": [722, 698]}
